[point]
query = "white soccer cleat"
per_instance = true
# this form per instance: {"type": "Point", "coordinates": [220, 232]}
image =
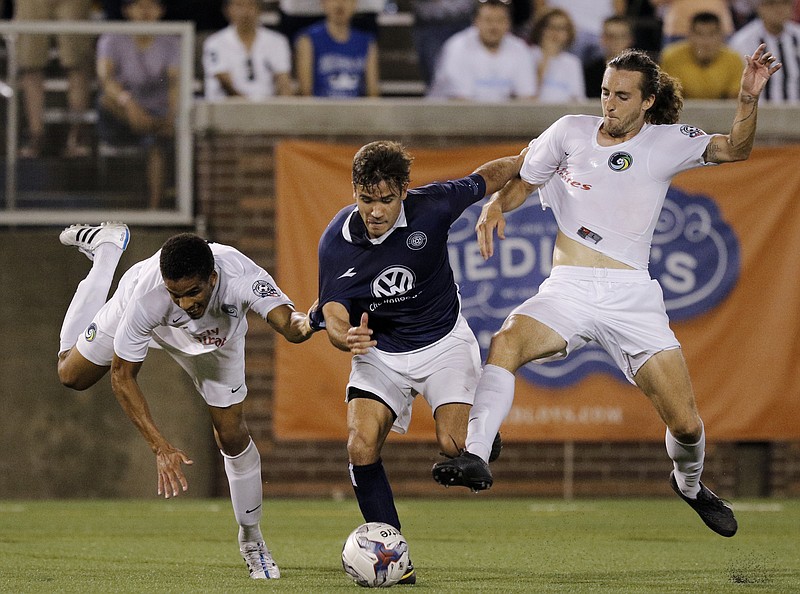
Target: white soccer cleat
{"type": "Point", "coordinates": [259, 561]}
{"type": "Point", "coordinates": [87, 237]}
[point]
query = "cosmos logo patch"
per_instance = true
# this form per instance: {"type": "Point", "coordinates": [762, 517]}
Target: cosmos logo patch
{"type": "Point", "coordinates": [691, 131]}
{"type": "Point", "coordinates": [620, 161]}
{"type": "Point", "coordinates": [91, 332]}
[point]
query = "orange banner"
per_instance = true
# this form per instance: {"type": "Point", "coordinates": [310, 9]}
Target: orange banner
{"type": "Point", "coordinates": [739, 306]}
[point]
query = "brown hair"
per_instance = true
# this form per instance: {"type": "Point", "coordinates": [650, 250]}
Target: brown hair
{"type": "Point", "coordinates": [382, 161]}
{"type": "Point", "coordinates": [541, 22]}
{"type": "Point", "coordinates": [656, 83]}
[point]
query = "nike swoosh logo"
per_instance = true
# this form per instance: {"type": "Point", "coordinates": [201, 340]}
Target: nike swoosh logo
{"type": "Point", "coordinates": [250, 511]}
{"type": "Point", "coordinates": [176, 319]}
{"type": "Point", "coordinates": [350, 272]}
{"type": "Point", "coordinates": [234, 390]}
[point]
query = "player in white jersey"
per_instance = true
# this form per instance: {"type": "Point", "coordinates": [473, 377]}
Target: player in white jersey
{"type": "Point", "coordinates": [191, 298]}
{"type": "Point", "coordinates": [245, 59]}
{"type": "Point", "coordinates": [606, 179]}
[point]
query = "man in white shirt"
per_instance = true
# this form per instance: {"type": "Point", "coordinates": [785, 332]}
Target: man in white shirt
{"type": "Point", "coordinates": [774, 26]}
{"type": "Point", "coordinates": [606, 179]}
{"type": "Point", "coordinates": [191, 299]}
{"type": "Point", "coordinates": [245, 59]}
{"type": "Point", "coordinates": [485, 62]}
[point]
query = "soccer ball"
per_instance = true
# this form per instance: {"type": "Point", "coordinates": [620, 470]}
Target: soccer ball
{"type": "Point", "coordinates": [375, 555]}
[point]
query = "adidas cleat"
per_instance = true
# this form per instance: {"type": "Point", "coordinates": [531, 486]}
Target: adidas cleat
{"type": "Point", "coordinates": [87, 237]}
{"type": "Point", "coordinates": [716, 514]}
{"type": "Point", "coordinates": [465, 470]}
{"type": "Point", "coordinates": [259, 561]}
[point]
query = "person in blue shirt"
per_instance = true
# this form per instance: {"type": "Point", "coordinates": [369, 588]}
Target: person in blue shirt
{"type": "Point", "coordinates": [388, 296]}
{"type": "Point", "coordinates": [334, 59]}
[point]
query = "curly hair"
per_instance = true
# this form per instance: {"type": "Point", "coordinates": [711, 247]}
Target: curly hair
{"type": "Point", "coordinates": [666, 90]}
{"type": "Point", "coordinates": [382, 161]}
{"type": "Point", "coordinates": [186, 255]}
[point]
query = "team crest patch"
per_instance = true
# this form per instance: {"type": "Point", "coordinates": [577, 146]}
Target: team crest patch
{"type": "Point", "coordinates": [91, 332]}
{"type": "Point", "coordinates": [417, 240]}
{"type": "Point", "coordinates": [692, 131]}
{"type": "Point", "coordinates": [230, 310]}
{"type": "Point", "coordinates": [264, 289]}
{"type": "Point", "coordinates": [620, 161]}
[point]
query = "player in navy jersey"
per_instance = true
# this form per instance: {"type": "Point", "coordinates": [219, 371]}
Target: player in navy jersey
{"type": "Point", "coordinates": [605, 179]}
{"type": "Point", "coordinates": [387, 295]}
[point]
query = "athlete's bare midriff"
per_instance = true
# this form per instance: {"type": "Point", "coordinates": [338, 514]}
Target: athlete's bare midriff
{"type": "Point", "coordinates": [569, 252]}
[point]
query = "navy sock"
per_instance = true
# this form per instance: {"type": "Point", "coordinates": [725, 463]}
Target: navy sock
{"type": "Point", "coordinates": [374, 493]}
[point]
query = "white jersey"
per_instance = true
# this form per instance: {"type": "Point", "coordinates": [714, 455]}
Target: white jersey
{"type": "Point", "coordinates": [608, 198]}
{"type": "Point", "coordinates": [252, 72]}
{"type": "Point", "coordinates": [149, 312]}
{"type": "Point", "coordinates": [467, 70]}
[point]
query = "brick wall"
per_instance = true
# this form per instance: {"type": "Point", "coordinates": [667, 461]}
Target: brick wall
{"type": "Point", "coordinates": [236, 199]}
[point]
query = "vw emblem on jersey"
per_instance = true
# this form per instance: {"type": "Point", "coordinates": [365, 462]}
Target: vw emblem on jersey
{"type": "Point", "coordinates": [691, 131]}
{"type": "Point", "coordinates": [620, 161]}
{"type": "Point", "coordinates": [230, 310]}
{"type": "Point", "coordinates": [91, 332]}
{"type": "Point", "coordinates": [393, 281]}
{"type": "Point", "coordinates": [417, 240]}
{"type": "Point", "coordinates": [264, 289]}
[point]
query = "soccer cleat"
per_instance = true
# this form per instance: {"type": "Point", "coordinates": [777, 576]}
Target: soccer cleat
{"type": "Point", "coordinates": [497, 447]}
{"type": "Point", "coordinates": [716, 514]}
{"type": "Point", "coordinates": [465, 470]}
{"type": "Point", "coordinates": [87, 237]}
{"type": "Point", "coordinates": [410, 576]}
{"type": "Point", "coordinates": [259, 561]}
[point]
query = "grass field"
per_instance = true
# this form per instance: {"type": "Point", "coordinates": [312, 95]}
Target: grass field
{"type": "Point", "coordinates": [459, 545]}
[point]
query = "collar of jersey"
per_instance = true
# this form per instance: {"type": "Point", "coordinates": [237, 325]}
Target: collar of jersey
{"type": "Point", "coordinates": [400, 222]}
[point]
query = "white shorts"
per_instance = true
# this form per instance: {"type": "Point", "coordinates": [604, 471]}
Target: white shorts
{"type": "Point", "coordinates": [445, 372]}
{"type": "Point", "coordinates": [218, 375]}
{"type": "Point", "coordinates": [622, 310]}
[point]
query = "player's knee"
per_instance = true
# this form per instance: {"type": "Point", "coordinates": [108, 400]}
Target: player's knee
{"type": "Point", "coordinates": [69, 378]}
{"type": "Point", "coordinates": [686, 430]}
{"type": "Point", "coordinates": [362, 449]}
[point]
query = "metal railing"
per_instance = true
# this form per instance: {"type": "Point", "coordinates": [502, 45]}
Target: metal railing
{"type": "Point", "coordinates": [12, 214]}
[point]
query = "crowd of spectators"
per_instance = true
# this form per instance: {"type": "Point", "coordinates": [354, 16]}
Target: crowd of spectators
{"type": "Point", "coordinates": [483, 50]}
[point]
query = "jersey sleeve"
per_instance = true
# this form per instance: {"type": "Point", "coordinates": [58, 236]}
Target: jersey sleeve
{"type": "Point", "coordinates": [454, 196]}
{"type": "Point", "coordinates": [257, 289]}
{"type": "Point", "coordinates": [544, 155]}
{"type": "Point", "coordinates": [679, 147]}
{"type": "Point", "coordinates": [140, 318]}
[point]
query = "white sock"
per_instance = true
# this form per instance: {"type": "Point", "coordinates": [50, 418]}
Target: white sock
{"type": "Point", "coordinates": [244, 479]}
{"type": "Point", "coordinates": [90, 295]}
{"type": "Point", "coordinates": [688, 462]}
{"type": "Point", "coordinates": [493, 399]}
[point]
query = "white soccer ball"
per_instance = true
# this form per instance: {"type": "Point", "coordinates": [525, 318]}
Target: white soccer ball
{"type": "Point", "coordinates": [375, 555]}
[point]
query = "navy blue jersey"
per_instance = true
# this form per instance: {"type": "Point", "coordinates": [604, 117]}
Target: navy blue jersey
{"type": "Point", "coordinates": [405, 282]}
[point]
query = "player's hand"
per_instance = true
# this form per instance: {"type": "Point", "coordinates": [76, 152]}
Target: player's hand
{"type": "Point", "coordinates": [759, 67]}
{"type": "Point", "coordinates": [171, 480]}
{"type": "Point", "coordinates": [491, 219]}
{"type": "Point", "coordinates": [359, 338]}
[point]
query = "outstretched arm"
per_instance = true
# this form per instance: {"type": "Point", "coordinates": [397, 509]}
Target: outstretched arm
{"type": "Point", "coordinates": [736, 146]}
{"type": "Point", "coordinates": [355, 339]}
{"type": "Point", "coordinates": [293, 325]}
{"type": "Point", "coordinates": [171, 479]}
{"type": "Point", "coordinates": [498, 172]}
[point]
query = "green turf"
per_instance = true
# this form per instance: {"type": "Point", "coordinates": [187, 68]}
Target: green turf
{"type": "Point", "coordinates": [460, 545]}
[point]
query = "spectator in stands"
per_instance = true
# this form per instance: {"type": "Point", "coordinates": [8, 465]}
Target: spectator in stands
{"type": "Point", "coordinates": [435, 21]}
{"type": "Point", "coordinates": [618, 35]}
{"type": "Point", "coordinates": [704, 65]}
{"type": "Point", "coordinates": [138, 77]}
{"type": "Point", "coordinates": [334, 59]}
{"type": "Point", "coordinates": [774, 26]}
{"type": "Point", "coordinates": [74, 54]}
{"type": "Point", "coordinates": [588, 17]}
{"type": "Point", "coordinates": [559, 74]}
{"type": "Point", "coordinates": [677, 16]}
{"type": "Point", "coordinates": [245, 59]}
{"type": "Point", "coordinates": [485, 62]}
{"type": "Point", "coordinates": [296, 15]}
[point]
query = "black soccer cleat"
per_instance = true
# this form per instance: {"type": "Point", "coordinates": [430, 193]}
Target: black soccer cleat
{"type": "Point", "coordinates": [465, 470]}
{"type": "Point", "coordinates": [409, 577]}
{"type": "Point", "coordinates": [497, 447]}
{"type": "Point", "coordinates": [716, 514]}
